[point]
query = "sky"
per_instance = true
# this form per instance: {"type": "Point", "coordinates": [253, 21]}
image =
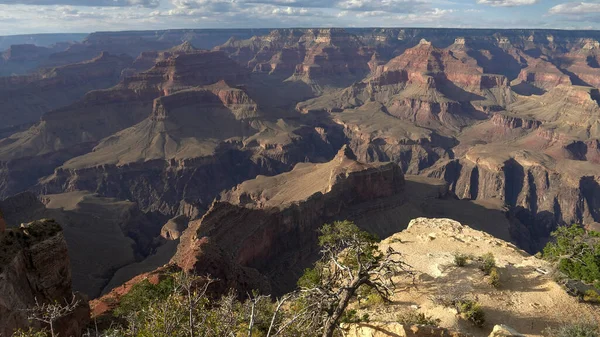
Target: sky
{"type": "Point", "coordinates": [84, 16]}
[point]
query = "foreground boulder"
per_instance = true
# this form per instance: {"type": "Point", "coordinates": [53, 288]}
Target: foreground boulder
{"type": "Point", "coordinates": [34, 266]}
{"type": "Point", "coordinates": [504, 331]}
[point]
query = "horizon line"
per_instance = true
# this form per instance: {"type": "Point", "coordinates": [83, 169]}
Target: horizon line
{"type": "Point", "coordinates": [315, 27]}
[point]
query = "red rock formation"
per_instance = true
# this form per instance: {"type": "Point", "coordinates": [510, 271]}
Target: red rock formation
{"type": "Point", "coordinates": [256, 52]}
{"type": "Point", "coordinates": [453, 64]}
{"type": "Point", "coordinates": [513, 122]}
{"type": "Point", "coordinates": [252, 223]}
{"type": "Point", "coordinates": [543, 74]}
{"type": "Point", "coordinates": [109, 302]}
{"type": "Point", "coordinates": [333, 52]}
{"type": "Point", "coordinates": [582, 63]}
{"type": "Point", "coordinates": [2, 223]}
{"type": "Point", "coordinates": [185, 70]}
{"type": "Point", "coordinates": [34, 265]}
{"type": "Point", "coordinates": [308, 54]}
{"type": "Point", "coordinates": [148, 59]}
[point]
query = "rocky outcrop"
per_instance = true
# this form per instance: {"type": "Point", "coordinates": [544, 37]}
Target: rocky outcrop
{"type": "Point", "coordinates": [325, 56]}
{"type": "Point", "coordinates": [582, 64]}
{"type": "Point", "coordinates": [173, 229]}
{"type": "Point", "coordinates": [333, 52]}
{"type": "Point", "coordinates": [250, 225]}
{"type": "Point", "coordinates": [34, 266]}
{"type": "Point", "coordinates": [102, 234]}
{"type": "Point", "coordinates": [196, 142]}
{"type": "Point", "coordinates": [504, 331]}
{"type": "Point", "coordinates": [527, 297]}
{"type": "Point", "coordinates": [543, 74]}
{"type": "Point", "coordinates": [148, 59]}
{"type": "Point", "coordinates": [541, 193]}
{"type": "Point", "coordinates": [441, 89]}
{"type": "Point", "coordinates": [514, 122]}
{"type": "Point", "coordinates": [183, 70]}
{"type": "Point", "coordinates": [394, 329]}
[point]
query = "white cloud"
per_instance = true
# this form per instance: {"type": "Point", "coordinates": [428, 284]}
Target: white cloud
{"type": "Point", "coordinates": [507, 3]}
{"type": "Point", "coordinates": [575, 8]}
{"type": "Point", "coordinates": [91, 3]}
{"type": "Point", "coordinates": [394, 6]}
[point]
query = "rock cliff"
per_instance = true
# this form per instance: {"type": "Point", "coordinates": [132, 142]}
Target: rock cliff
{"type": "Point", "coordinates": [26, 98]}
{"type": "Point", "coordinates": [210, 137]}
{"type": "Point", "coordinates": [73, 130]}
{"type": "Point", "coordinates": [34, 265]}
{"type": "Point", "coordinates": [102, 234]}
{"type": "Point", "coordinates": [252, 223]}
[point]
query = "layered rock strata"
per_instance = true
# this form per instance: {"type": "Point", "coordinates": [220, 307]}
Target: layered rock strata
{"type": "Point", "coordinates": [34, 266]}
{"type": "Point", "coordinates": [252, 224]}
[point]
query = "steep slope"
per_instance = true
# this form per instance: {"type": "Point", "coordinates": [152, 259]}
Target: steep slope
{"type": "Point", "coordinates": [277, 53]}
{"type": "Point", "coordinates": [34, 266]}
{"type": "Point", "coordinates": [320, 58]}
{"type": "Point", "coordinates": [443, 89]}
{"type": "Point", "coordinates": [250, 225]}
{"type": "Point", "coordinates": [26, 98]}
{"type": "Point", "coordinates": [102, 234]}
{"type": "Point", "coordinates": [196, 143]}
{"type": "Point", "coordinates": [582, 63]}
{"type": "Point", "coordinates": [74, 130]}
{"type": "Point", "coordinates": [251, 222]}
{"type": "Point", "coordinates": [540, 157]}
{"type": "Point", "coordinates": [19, 59]}
{"type": "Point", "coordinates": [148, 59]}
{"type": "Point", "coordinates": [375, 135]}
{"type": "Point", "coordinates": [332, 53]}
{"type": "Point", "coordinates": [541, 75]}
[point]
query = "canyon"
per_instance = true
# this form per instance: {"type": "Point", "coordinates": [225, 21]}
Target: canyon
{"type": "Point", "coordinates": [209, 149]}
{"type": "Point", "coordinates": [34, 268]}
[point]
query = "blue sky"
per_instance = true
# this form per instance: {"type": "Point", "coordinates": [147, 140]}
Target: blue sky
{"type": "Point", "coordinates": [54, 16]}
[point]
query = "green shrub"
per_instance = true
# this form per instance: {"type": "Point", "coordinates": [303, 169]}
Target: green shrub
{"type": "Point", "coordinates": [472, 312]}
{"type": "Point", "coordinates": [369, 297]}
{"type": "Point", "coordinates": [494, 278]}
{"type": "Point", "coordinates": [576, 253]}
{"type": "Point", "coordinates": [592, 296]}
{"type": "Point", "coordinates": [351, 316]}
{"type": "Point", "coordinates": [488, 262]}
{"type": "Point", "coordinates": [581, 329]}
{"type": "Point", "coordinates": [417, 318]}
{"type": "Point", "coordinates": [460, 260]}
{"type": "Point", "coordinates": [143, 294]}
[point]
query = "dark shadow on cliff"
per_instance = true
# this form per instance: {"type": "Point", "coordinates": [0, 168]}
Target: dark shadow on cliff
{"type": "Point", "coordinates": [514, 176]}
{"type": "Point", "coordinates": [526, 89]}
{"type": "Point", "coordinates": [499, 63]}
{"type": "Point", "coordinates": [102, 234]}
{"type": "Point", "coordinates": [590, 189]}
